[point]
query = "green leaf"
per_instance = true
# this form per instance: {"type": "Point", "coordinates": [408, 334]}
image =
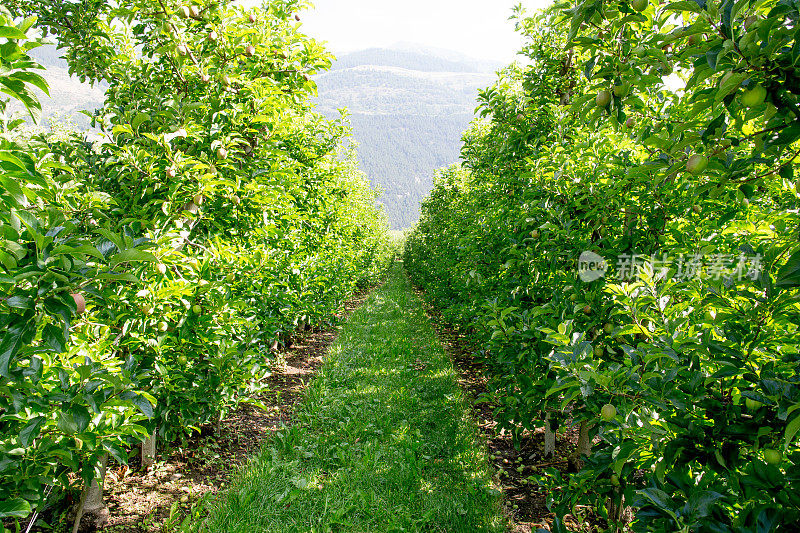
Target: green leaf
{"type": "Point", "coordinates": [9, 32]}
{"type": "Point", "coordinates": [9, 346]}
{"type": "Point", "coordinates": [31, 431]}
{"type": "Point", "coordinates": [9, 157]}
{"type": "Point", "coordinates": [81, 416]}
{"type": "Point", "coordinates": [660, 499]}
{"type": "Point", "coordinates": [54, 337]}
{"type": "Point", "coordinates": [140, 119]}
{"type": "Point", "coordinates": [684, 5]}
{"type": "Point", "coordinates": [701, 503]}
{"type": "Point", "coordinates": [20, 302]}
{"type": "Point", "coordinates": [791, 431]}
{"type": "Point", "coordinates": [116, 276]}
{"type": "Point", "coordinates": [144, 405]}
{"type": "Point", "coordinates": [14, 508]}
{"type": "Point", "coordinates": [133, 255]}
{"type": "Point", "coordinates": [789, 275]}
{"type": "Point", "coordinates": [731, 84]}
{"type": "Point", "coordinates": [34, 79]}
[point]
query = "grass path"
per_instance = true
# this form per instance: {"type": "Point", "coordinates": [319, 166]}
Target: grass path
{"type": "Point", "coordinates": [382, 442]}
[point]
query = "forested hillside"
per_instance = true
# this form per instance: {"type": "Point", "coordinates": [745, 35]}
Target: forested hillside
{"type": "Point", "coordinates": [68, 97]}
{"type": "Point", "coordinates": [408, 108]}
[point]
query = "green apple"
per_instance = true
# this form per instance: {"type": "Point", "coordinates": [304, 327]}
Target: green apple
{"type": "Point", "coordinates": [639, 5]}
{"type": "Point", "coordinates": [752, 405]}
{"type": "Point", "coordinates": [185, 12]}
{"type": "Point", "coordinates": [194, 12]}
{"type": "Point", "coordinates": [182, 359]}
{"type": "Point", "coordinates": [599, 351]}
{"type": "Point", "coordinates": [603, 98]}
{"type": "Point", "coordinates": [147, 309]}
{"type": "Point", "coordinates": [573, 298]}
{"type": "Point", "coordinates": [197, 309]}
{"type": "Point", "coordinates": [622, 90]}
{"type": "Point", "coordinates": [697, 164]}
{"type": "Point", "coordinates": [161, 268]}
{"type": "Point", "coordinates": [608, 412]}
{"type": "Point", "coordinates": [198, 199]}
{"type": "Point", "coordinates": [236, 200]}
{"type": "Point", "coordinates": [608, 328]}
{"type": "Point", "coordinates": [754, 97]}
{"type": "Point", "coordinates": [183, 50]}
{"type": "Point", "coordinates": [222, 152]}
{"type": "Point", "coordinates": [535, 234]}
{"type": "Point", "coordinates": [163, 327]}
{"type": "Point", "coordinates": [772, 457]}
{"type": "Point", "coordinates": [587, 310]}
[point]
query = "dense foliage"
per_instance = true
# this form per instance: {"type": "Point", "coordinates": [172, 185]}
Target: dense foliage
{"type": "Point", "coordinates": [147, 277]}
{"type": "Point", "coordinates": [653, 143]}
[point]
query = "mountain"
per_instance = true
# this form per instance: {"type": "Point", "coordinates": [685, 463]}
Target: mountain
{"type": "Point", "coordinates": [409, 106]}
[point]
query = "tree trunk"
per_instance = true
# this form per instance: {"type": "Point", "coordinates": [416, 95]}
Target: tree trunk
{"type": "Point", "coordinates": [584, 442]}
{"type": "Point", "coordinates": [549, 438]}
{"type": "Point", "coordinates": [92, 513]}
{"type": "Point", "coordinates": [149, 451]}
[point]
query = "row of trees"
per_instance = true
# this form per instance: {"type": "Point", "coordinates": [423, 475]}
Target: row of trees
{"type": "Point", "coordinates": [146, 278]}
{"type": "Point", "coordinates": [624, 240]}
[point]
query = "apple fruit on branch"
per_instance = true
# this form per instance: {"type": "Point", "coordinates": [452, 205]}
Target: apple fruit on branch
{"type": "Point", "coordinates": [697, 164]}
{"type": "Point", "coordinates": [80, 303]}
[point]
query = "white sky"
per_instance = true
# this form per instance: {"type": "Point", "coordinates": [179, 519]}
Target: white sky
{"type": "Point", "coordinates": [477, 28]}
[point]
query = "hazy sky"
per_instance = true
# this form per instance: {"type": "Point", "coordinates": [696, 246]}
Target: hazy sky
{"type": "Point", "coordinates": [478, 28]}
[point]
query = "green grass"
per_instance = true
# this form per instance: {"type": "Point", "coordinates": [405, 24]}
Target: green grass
{"type": "Point", "coordinates": [382, 443]}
